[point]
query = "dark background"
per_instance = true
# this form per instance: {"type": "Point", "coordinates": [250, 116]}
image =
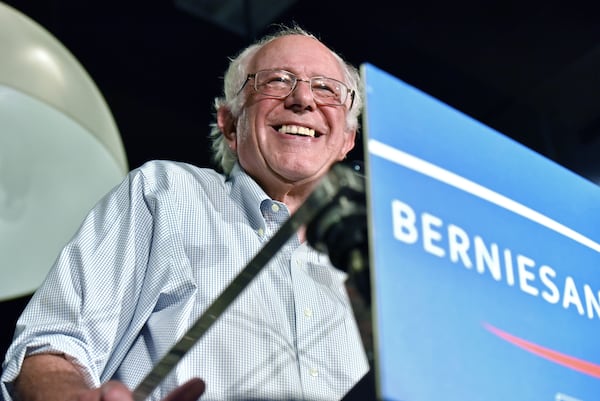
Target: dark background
{"type": "Point", "coordinates": [530, 69]}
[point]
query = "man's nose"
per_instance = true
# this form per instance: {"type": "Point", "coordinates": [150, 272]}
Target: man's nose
{"type": "Point", "coordinates": [301, 95]}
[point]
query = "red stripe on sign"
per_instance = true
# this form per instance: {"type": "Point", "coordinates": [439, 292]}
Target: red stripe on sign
{"type": "Point", "coordinates": [569, 361]}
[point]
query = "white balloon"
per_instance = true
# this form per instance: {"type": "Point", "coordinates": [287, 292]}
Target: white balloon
{"type": "Point", "coordinates": [60, 150]}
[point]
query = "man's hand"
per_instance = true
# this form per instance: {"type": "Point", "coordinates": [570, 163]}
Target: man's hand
{"type": "Point", "coordinates": [189, 391]}
{"type": "Point", "coordinates": [116, 391]}
{"type": "Point", "coordinates": [48, 377]}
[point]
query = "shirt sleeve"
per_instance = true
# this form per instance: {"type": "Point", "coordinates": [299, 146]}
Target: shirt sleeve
{"type": "Point", "coordinates": [88, 301]}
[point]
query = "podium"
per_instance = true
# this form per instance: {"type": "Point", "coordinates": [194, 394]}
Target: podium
{"type": "Point", "coordinates": [485, 261]}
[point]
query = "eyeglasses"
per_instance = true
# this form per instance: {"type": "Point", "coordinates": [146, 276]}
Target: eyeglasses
{"type": "Point", "coordinates": [280, 84]}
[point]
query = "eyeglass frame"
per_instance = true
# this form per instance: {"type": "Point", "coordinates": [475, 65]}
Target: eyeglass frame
{"type": "Point", "coordinates": [350, 92]}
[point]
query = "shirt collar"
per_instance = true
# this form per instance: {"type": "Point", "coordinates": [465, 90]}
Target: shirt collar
{"type": "Point", "coordinates": [248, 194]}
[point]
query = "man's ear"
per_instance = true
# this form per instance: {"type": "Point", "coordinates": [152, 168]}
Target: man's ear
{"type": "Point", "coordinates": [227, 124]}
{"type": "Point", "coordinates": [349, 142]}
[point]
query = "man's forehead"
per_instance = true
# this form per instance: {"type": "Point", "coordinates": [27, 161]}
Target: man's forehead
{"type": "Point", "coordinates": [298, 54]}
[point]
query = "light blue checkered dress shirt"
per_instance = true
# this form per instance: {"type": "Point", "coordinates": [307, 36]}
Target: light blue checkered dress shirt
{"type": "Point", "coordinates": [153, 254]}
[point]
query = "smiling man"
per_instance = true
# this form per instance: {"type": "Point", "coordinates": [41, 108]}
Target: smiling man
{"type": "Point", "coordinates": [294, 122]}
{"type": "Point", "coordinates": [160, 247]}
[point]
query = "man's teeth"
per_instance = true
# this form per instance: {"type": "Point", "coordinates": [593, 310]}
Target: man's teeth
{"type": "Point", "coordinates": [297, 130]}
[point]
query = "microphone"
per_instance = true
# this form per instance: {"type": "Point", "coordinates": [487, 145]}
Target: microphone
{"type": "Point", "coordinates": [340, 229]}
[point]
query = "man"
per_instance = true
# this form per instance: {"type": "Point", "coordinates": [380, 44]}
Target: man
{"type": "Point", "coordinates": [160, 247]}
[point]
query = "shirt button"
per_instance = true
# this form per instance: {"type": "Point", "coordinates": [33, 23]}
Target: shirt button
{"type": "Point", "coordinates": [308, 312]}
{"type": "Point", "coordinates": [261, 232]}
{"type": "Point", "coordinates": [275, 207]}
{"type": "Point", "coordinates": [313, 372]}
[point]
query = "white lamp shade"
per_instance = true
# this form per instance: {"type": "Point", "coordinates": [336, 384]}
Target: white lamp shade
{"type": "Point", "coordinates": [60, 150]}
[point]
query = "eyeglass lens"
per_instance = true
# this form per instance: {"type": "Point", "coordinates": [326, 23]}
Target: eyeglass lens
{"type": "Point", "coordinates": [281, 83]}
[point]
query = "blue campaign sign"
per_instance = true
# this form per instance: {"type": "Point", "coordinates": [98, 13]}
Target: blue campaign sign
{"type": "Point", "coordinates": [485, 258]}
